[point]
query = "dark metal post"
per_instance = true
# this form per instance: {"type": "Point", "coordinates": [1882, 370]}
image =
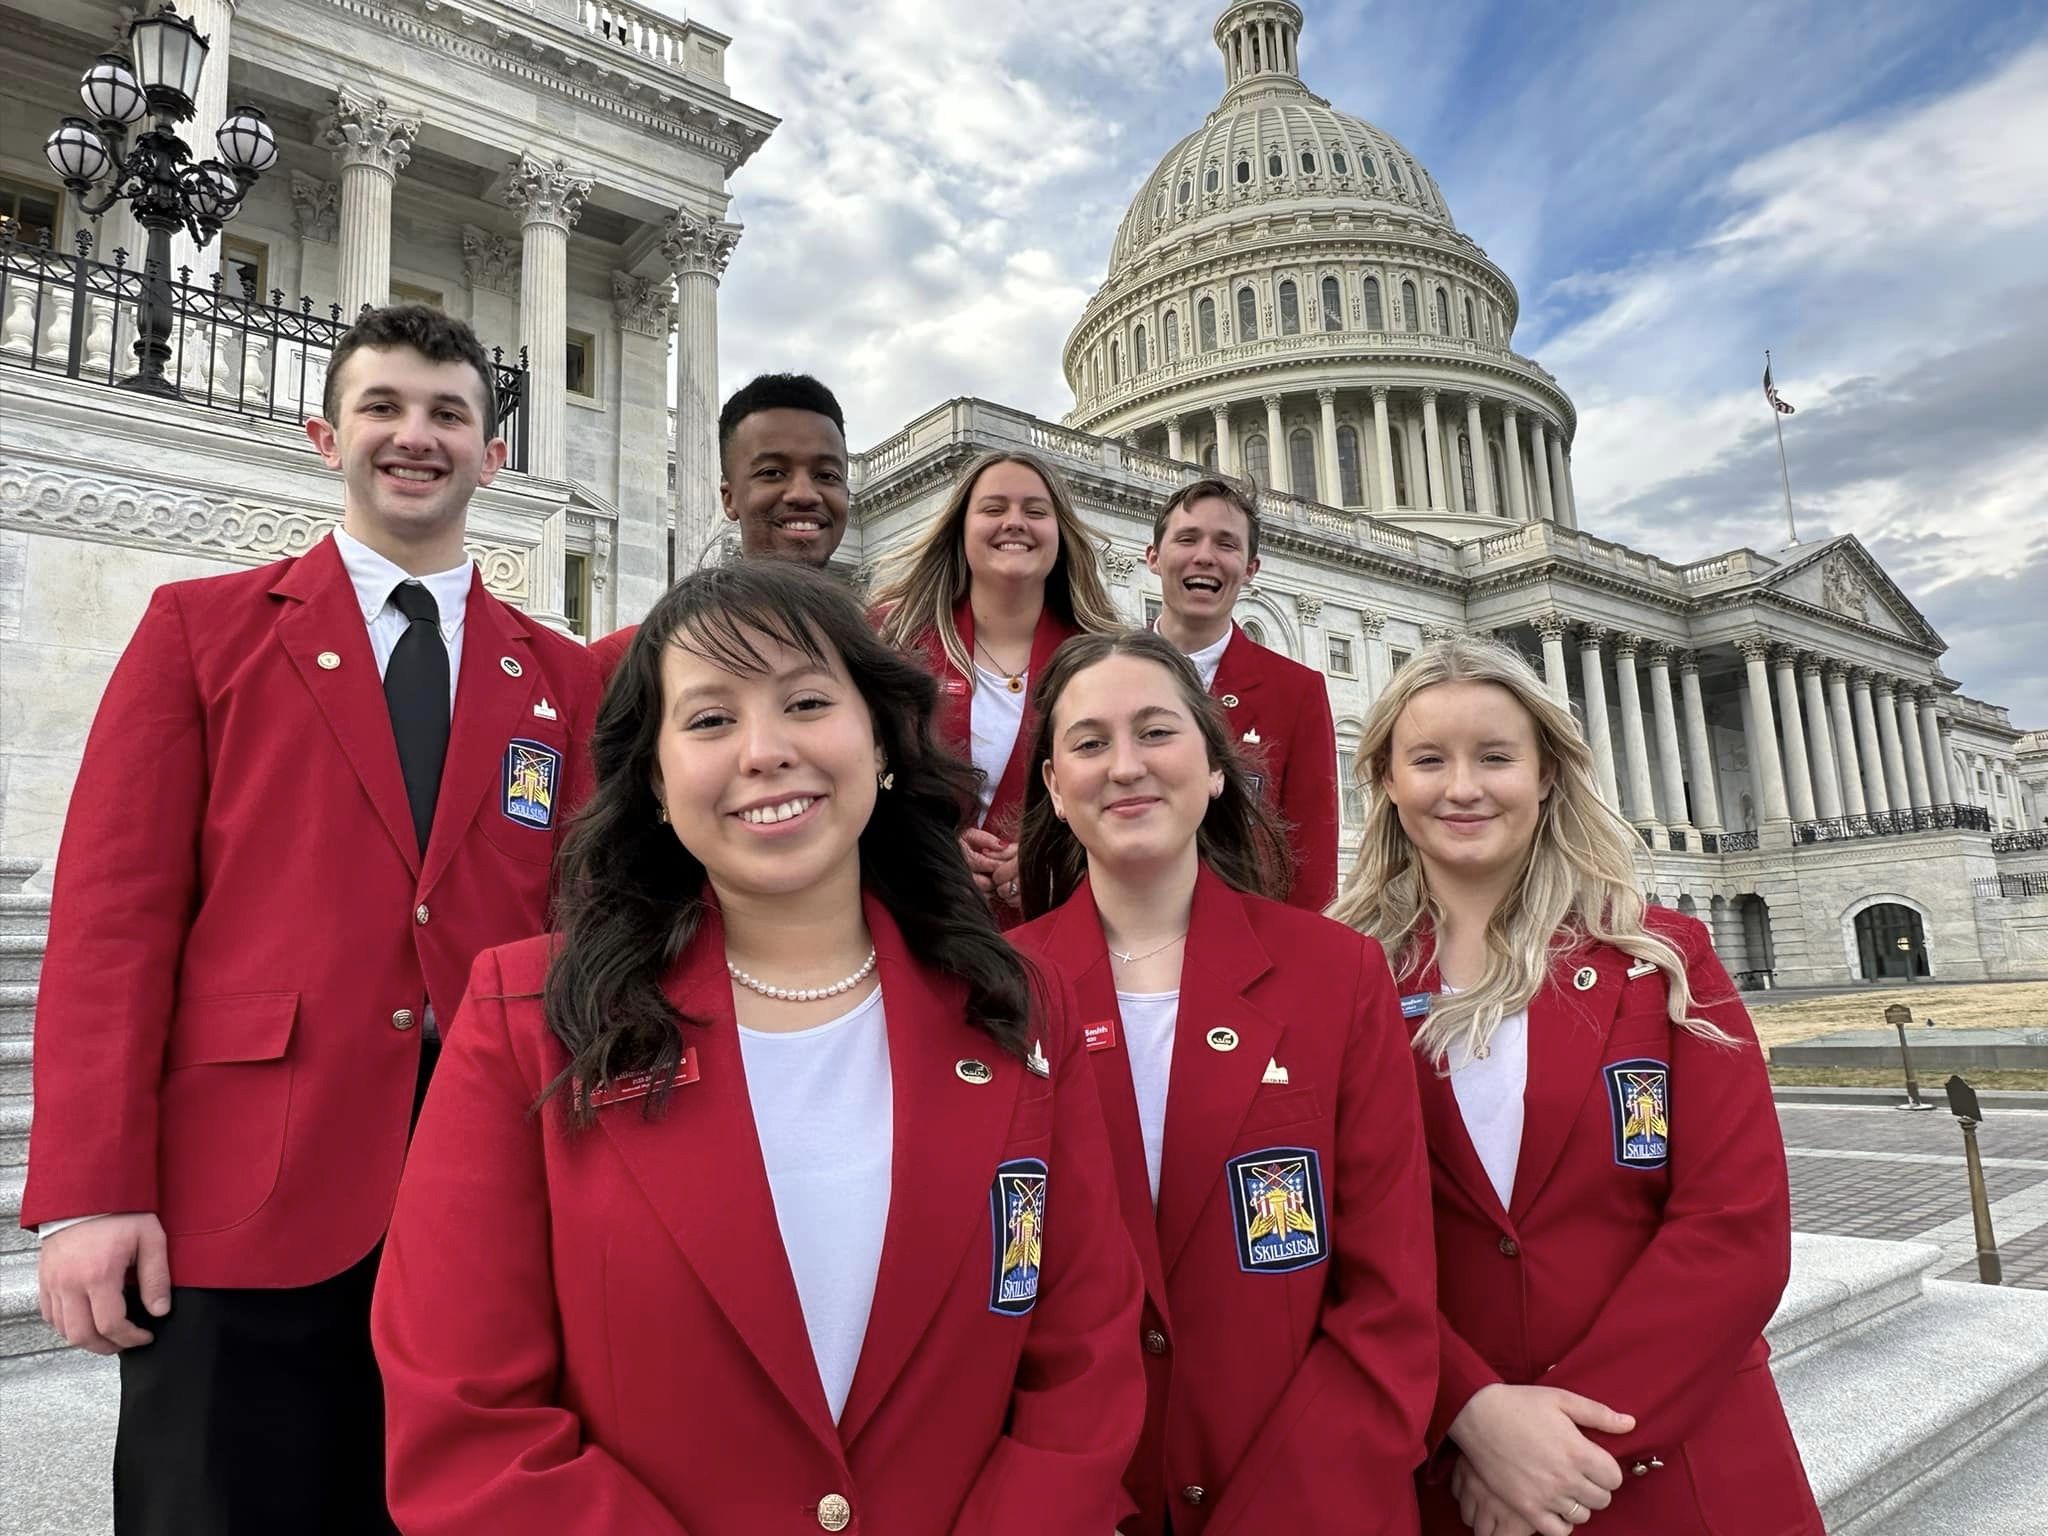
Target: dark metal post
{"type": "Point", "coordinates": [1899, 1016]}
{"type": "Point", "coordinates": [1962, 1103]}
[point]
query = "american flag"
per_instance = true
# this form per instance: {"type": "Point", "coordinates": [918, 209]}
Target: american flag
{"type": "Point", "coordinates": [1783, 407]}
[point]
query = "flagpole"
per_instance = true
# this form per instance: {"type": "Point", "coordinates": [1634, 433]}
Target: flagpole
{"type": "Point", "coordinates": [1784, 474]}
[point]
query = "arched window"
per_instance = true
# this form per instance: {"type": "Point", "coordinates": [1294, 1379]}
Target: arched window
{"type": "Point", "coordinates": [1371, 163]}
{"type": "Point", "coordinates": [1275, 166]}
{"type": "Point", "coordinates": [1400, 470]}
{"type": "Point", "coordinates": [1394, 170]}
{"type": "Point", "coordinates": [1139, 360]}
{"type": "Point", "coordinates": [1290, 309]}
{"type": "Point", "coordinates": [1470, 329]}
{"type": "Point", "coordinates": [1493, 461]}
{"type": "Point", "coordinates": [1443, 313]}
{"type": "Point", "coordinates": [1205, 322]}
{"type": "Point", "coordinates": [1351, 488]}
{"type": "Point", "coordinates": [1375, 317]}
{"type": "Point", "coordinates": [1465, 471]}
{"type": "Point", "coordinates": [1169, 335]}
{"type": "Point", "coordinates": [1159, 204]}
{"type": "Point", "coordinates": [1244, 172]}
{"type": "Point", "coordinates": [1258, 462]}
{"type": "Point", "coordinates": [1247, 315]}
{"type": "Point", "coordinates": [1211, 179]}
{"type": "Point", "coordinates": [1187, 190]}
{"type": "Point", "coordinates": [1255, 632]}
{"type": "Point", "coordinates": [1333, 305]}
{"type": "Point", "coordinates": [1308, 161]}
{"type": "Point", "coordinates": [1115, 373]}
{"type": "Point", "coordinates": [1338, 163]}
{"type": "Point", "coordinates": [1486, 320]}
{"type": "Point", "coordinates": [1301, 464]}
{"type": "Point", "coordinates": [1411, 315]}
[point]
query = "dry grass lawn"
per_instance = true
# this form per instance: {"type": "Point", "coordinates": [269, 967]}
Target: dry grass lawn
{"type": "Point", "coordinates": [1997, 1005]}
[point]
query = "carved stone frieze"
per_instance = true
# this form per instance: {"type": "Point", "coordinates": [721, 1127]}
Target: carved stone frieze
{"type": "Point", "coordinates": [643, 305]}
{"type": "Point", "coordinates": [490, 261]}
{"type": "Point", "coordinates": [1118, 564]}
{"type": "Point", "coordinates": [1843, 590]}
{"type": "Point", "coordinates": [1308, 609]}
{"type": "Point", "coordinates": [316, 207]}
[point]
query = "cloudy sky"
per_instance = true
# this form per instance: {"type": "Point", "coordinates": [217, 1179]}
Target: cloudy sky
{"type": "Point", "coordinates": [1673, 188]}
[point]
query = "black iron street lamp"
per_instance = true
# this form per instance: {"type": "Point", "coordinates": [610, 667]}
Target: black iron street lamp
{"type": "Point", "coordinates": [170, 191]}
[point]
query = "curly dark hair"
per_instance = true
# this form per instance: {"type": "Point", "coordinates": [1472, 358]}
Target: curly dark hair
{"type": "Point", "coordinates": [777, 392]}
{"type": "Point", "coordinates": [437, 337]}
{"type": "Point", "coordinates": [1241, 837]}
{"type": "Point", "coordinates": [632, 896]}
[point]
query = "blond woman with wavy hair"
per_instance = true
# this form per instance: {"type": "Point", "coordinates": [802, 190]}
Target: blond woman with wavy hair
{"type": "Point", "coordinates": [1006, 571]}
{"type": "Point", "coordinates": [1612, 1216]}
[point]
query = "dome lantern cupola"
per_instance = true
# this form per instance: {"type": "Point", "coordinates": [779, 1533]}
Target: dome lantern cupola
{"type": "Point", "coordinates": [1259, 39]}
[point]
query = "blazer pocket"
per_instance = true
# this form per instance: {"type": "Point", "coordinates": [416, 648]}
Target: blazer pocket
{"type": "Point", "coordinates": [1276, 1106]}
{"type": "Point", "coordinates": [241, 1026]}
{"type": "Point", "coordinates": [222, 1109]}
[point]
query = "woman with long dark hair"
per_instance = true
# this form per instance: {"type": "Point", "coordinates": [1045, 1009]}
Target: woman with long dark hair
{"type": "Point", "coordinates": [1263, 1125]}
{"type": "Point", "coordinates": [1005, 572]}
{"type": "Point", "coordinates": [1612, 1218]}
{"type": "Point", "coordinates": [772, 1194]}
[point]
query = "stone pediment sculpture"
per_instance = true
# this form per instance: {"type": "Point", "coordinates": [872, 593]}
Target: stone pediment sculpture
{"type": "Point", "coordinates": [1843, 589]}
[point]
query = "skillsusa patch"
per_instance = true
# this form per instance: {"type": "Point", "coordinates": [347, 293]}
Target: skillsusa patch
{"type": "Point", "coordinates": [533, 773]}
{"type": "Point", "coordinates": [1016, 1209]}
{"type": "Point", "coordinates": [1276, 1201]}
{"type": "Point", "coordinates": [1639, 1103]}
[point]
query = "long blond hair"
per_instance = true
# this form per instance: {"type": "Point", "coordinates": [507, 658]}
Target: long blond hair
{"type": "Point", "coordinates": [1579, 882]}
{"type": "Point", "coordinates": [925, 583]}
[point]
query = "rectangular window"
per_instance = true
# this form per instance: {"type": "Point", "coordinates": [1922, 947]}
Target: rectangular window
{"type": "Point", "coordinates": [1340, 656]}
{"type": "Point", "coordinates": [1396, 660]}
{"type": "Point", "coordinates": [1350, 798]}
{"type": "Point", "coordinates": [1152, 611]}
{"type": "Point", "coordinates": [413, 293]}
{"type": "Point", "coordinates": [245, 269]}
{"type": "Point", "coordinates": [28, 212]}
{"type": "Point", "coordinates": [576, 592]}
{"type": "Point", "coordinates": [580, 375]}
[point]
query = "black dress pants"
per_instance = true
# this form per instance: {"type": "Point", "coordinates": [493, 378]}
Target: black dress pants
{"type": "Point", "coordinates": [256, 1412]}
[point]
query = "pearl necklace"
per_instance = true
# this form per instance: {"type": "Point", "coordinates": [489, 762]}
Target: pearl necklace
{"type": "Point", "coordinates": [801, 994]}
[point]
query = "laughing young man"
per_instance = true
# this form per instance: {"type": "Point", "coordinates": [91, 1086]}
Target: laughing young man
{"type": "Point", "coordinates": [312, 793]}
{"type": "Point", "coordinates": [782, 478]}
{"type": "Point", "coordinates": [1205, 547]}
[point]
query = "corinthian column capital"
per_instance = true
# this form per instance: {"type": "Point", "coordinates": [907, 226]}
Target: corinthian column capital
{"type": "Point", "coordinates": [643, 305]}
{"type": "Point", "coordinates": [368, 132]}
{"type": "Point", "coordinates": [695, 244]}
{"type": "Point", "coordinates": [546, 192]}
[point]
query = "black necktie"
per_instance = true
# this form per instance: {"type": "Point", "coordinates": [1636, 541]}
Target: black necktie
{"type": "Point", "coordinates": [416, 692]}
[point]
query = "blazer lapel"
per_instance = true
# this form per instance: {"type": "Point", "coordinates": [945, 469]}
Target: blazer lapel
{"type": "Point", "coordinates": [699, 1165]}
{"type": "Point", "coordinates": [1449, 1139]}
{"type": "Point", "coordinates": [1237, 674]}
{"type": "Point", "coordinates": [1076, 945]}
{"type": "Point", "coordinates": [1210, 1089]}
{"type": "Point", "coordinates": [1568, 1030]}
{"type": "Point", "coordinates": [1009, 797]}
{"type": "Point", "coordinates": [321, 619]}
{"type": "Point", "coordinates": [949, 1136]}
{"type": "Point", "coordinates": [489, 699]}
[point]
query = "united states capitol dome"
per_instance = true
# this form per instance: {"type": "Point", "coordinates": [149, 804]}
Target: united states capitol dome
{"type": "Point", "coordinates": [1288, 298]}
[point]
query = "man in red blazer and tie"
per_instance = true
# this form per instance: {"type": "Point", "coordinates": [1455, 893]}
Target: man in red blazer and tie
{"type": "Point", "coordinates": [1205, 547]}
{"type": "Point", "coordinates": [312, 793]}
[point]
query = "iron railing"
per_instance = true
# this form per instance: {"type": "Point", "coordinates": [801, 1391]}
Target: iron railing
{"type": "Point", "coordinates": [74, 316]}
{"type": "Point", "coordinates": [1738, 842]}
{"type": "Point", "coordinates": [2034, 840]}
{"type": "Point", "coordinates": [1676, 839]}
{"type": "Point", "coordinates": [1931, 818]}
{"type": "Point", "coordinates": [2010, 887]}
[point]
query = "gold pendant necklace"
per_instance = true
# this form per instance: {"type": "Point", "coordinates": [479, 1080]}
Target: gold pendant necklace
{"type": "Point", "coordinates": [1148, 954]}
{"type": "Point", "coordinates": [1015, 680]}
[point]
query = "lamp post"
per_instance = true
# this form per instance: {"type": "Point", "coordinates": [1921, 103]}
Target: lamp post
{"type": "Point", "coordinates": [170, 190]}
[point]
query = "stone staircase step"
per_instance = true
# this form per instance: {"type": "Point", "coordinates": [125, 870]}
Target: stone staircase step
{"type": "Point", "coordinates": [22, 1329]}
{"type": "Point", "coordinates": [2001, 1491]}
{"type": "Point", "coordinates": [15, 871]}
{"type": "Point", "coordinates": [21, 912]}
{"type": "Point", "coordinates": [1882, 1413]}
{"type": "Point", "coordinates": [14, 1117]}
{"type": "Point", "coordinates": [1839, 1283]}
{"type": "Point", "coordinates": [16, 1059]}
{"type": "Point", "coordinates": [12, 1238]}
{"type": "Point", "coordinates": [21, 957]}
{"type": "Point", "coordinates": [17, 1008]}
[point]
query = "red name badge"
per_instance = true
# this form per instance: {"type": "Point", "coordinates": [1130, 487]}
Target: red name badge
{"type": "Point", "coordinates": [640, 1084]}
{"type": "Point", "coordinates": [1099, 1036]}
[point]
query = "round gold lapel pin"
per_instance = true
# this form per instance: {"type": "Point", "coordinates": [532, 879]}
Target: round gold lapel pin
{"type": "Point", "coordinates": [328, 660]}
{"type": "Point", "coordinates": [1222, 1039]}
{"type": "Point", "coordinates": [972, 1071]}
{"type": "Point", "coordinates": [1585, 978]}
{"type": "Point", "coordinates": [1229, 701]}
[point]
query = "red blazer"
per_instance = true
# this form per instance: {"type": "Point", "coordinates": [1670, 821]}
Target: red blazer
{"type": "Point", "coordinates": [1634, 1268]}
{"type": "Point", "coordinates": [592, 1333]}
{"type": "Point", "coordinates": [1291, 1400]}
{"type": "Point", "coordinates": [607, 651]}
{"type": "Point", "coordinates": [1279, 714]}
{"type": "Point", "coordinates": [242, 916]}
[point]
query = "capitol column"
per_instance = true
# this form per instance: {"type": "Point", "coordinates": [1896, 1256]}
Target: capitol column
{"type": "Point", "coordinates": [1763, 735]}
{"type": "Point", "coordinates": [1909, 741]}
{"type": "Point", "coordinates": [1844, 725]}
{"type": "Point", "coordinates": [1930, 739]}
{"type": "Point", "coordinates": [1333, 471]}
{"type": "Point", "coordinates": [697, 250]}
{"type": "Point", "coordinates": [1279, 462]}
{"type": "Point", "coordinates": [549, 199]}
{"type": "Point", "coordinates": [373, 145]}
{"type": "Point", "coordinates": [1798, 778]}
{"type": "Point", "coordinates": [1539, 477]}
{"type": "Point", "coordinates": [1511, 463]}
{"type": "Point", "coordinates": [1225, 449]}
{"type": "Point", "coordinates": [1599, 734]}
{"type": "Point", "coordinates": [1827, 792]}
{"type": "Point", "coordinates": [1877, 801]}
{"type": "Point", "coordinates": [1893, 754]}
{"type": "Point", "coordinates": [1635, 750]}
{"type": "Point", "coordinates": [1482, 483]}
{"type": "Point", "coordinates": [1383, 450]}
{"type": "Point", "coordinates": [1561, 492]}
{"type": "Point", "coordinates": [644, 308]}
{"type": "Point", "coordinates": [1551, 627]}
{"type": "Point", "coordinates": [1699, 744]}
{"type": "Point", "coordinates": [1173, 437]}
{"type": "Point", "coordinates": [1433, 451]}
{"type": "Point", "coordinates": [1666, 721]}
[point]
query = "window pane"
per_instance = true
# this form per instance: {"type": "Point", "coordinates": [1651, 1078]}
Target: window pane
{"type": "Point", "coordinates": [1290, 310]}
{"type": "Point", "coordinates": [1400, 469]}
{"type": "Point", "coordinates": [1301, 464]}
{"type": "Point", "coordinates": [1206, 317]}
{"type": "Point", "coordinates": [1211, 180]}
{"type": "Point", "coordinates": [1275, 166]}
{"type": "Point", "coordinates": [1247, 315]}
{"type": "Point", "coordinates": [1352, 798]}
{"type": "Point", "coordinates": [1170, 328]}
{"type": "Point", "coordinates": [1443, 313]}
{"type": "Point", "coordinates": [1115, 371]}
{"type": "Point", "coordinates": [1338, 163]}
{"type": "Point", "coordinates": [1375, 318]}
{"type": "Point", "coordinates": [1333, 305]}
{"type": "Point", "coordinates": [1308, 161]}
{"type": "Point", "coordinates": [1465, 469]}
{"type": "Point", "coordinates": [1138, 351]}
{"type": "Point", "coordinates": [1340, 654]}
{"type": "Point", "coordinates": [1244, 172]}
{"type": "Point", "coordinates": [1347, 466]}
{"type": "Point", "coordinates": [576, 592]}
{"type": "Point", "coordinates": [1411, 319]}
{"type": "Point", "coordinates": [1258, 462]}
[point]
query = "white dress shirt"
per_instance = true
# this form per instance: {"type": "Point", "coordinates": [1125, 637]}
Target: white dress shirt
{"type": "Point", "coordinates": [996, 716]}
{"type": "Point", "coordinates": [1209, 658]}
{"type": "Point", "coordinates": [1150, 1019]}
{"type": "Point", "coordinates": [1489, 1092]}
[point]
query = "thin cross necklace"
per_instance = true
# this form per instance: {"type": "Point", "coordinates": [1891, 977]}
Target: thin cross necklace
{"type": "Point", "coordinates": [1015, 679]}
{"type": "Point", "coordinates": [1148, 954]}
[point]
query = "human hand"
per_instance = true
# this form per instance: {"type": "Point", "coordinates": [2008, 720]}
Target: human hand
{"type": "Point", "coordinates": [1481, 1508]}
{"type": "Point", "coordinates": [82, 1273]}
{"type": "Point", "coordinates": [1525, 1445]}
{"type": "Point", "coordinates": [983, 849]}
{"type": "Point", "coordinates": [1004, 876]}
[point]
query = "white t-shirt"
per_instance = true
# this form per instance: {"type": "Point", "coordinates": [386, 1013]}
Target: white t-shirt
{"type": "Point", "coordinates": [997, 716]}
{"type": "Point", "coordinates": [1149, 1022]}
{"type": "Point", "coordinates": [822, 1109]}
{"type": "Point", "coordinates": [1209, 658]}
{"type": "Point", "coordinates": [1489, 1091]}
